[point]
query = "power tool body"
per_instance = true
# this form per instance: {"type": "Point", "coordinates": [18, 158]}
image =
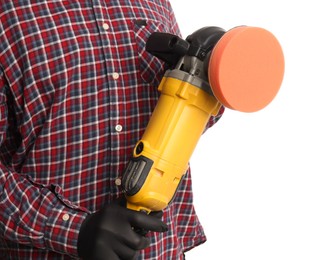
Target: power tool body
{"type": "Point", "coordinates": [199, 80]}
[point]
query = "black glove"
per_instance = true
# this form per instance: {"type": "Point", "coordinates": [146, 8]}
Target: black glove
{"type": "Point", "coordinates": [110, 233]}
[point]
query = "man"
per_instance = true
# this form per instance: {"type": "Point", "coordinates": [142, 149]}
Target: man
{"type": "Point", "coordinates": [77, 89]}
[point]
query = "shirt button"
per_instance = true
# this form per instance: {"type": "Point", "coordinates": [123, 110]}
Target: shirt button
{"type": "Point", "coordinates": [105, 26]}
{"type": "Point", "coordinates": [115, 75]}
{"type": "Point", "coordinates": [65, 217]}
{"type": "Point", "coordinates": [118, 181]}
{"type": "Point", "coordinates": [118, 128]}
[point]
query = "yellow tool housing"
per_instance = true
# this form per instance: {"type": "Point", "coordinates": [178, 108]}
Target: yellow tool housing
{"type": "Point", "coordinates": [168, 142]}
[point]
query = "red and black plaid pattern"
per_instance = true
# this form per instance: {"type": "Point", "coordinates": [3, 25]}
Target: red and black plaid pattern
{"type": "Point", "coordinates": [76, 91]}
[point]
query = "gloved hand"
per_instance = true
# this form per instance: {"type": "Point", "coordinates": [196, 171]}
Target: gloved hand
{"type": "Point", "coordinates": [109, 234]}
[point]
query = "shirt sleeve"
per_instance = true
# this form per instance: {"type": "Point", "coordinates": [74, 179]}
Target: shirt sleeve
{"type": "Point", "coordinates": [215, 119]}
{"type": "Point", "coordinates": [173, 21]}
{"type": "Point", "coordinates": [31, 213]}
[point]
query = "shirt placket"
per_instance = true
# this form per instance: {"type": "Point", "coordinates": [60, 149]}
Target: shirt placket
{"type": "Point", "coordinates": [113, 72]}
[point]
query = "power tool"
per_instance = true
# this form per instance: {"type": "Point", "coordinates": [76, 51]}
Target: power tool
{"type": "Point", "coordinates": [241, 69]}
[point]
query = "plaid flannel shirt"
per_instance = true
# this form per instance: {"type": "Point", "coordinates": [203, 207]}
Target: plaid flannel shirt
{"type": "Point", "coordinates": [76, 91]}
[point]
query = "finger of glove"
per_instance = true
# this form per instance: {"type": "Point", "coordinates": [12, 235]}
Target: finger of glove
{"type": "Point", "coordinates": [126, 252]}
{"type": "Point", "coordinates": [109, 247]}
{"type": "Point", "coordinates": [136, 241]}
{"type": "Point", "coordinates": [124, 236]}
{"type": "Point", "coordinates": [157, 214]}
{"type": "Point", "coordinates": [147, 222]}
{"type": "Point", "coordinates": [104, 252]}
{"type": "Point", "coordinates": [110, 256]}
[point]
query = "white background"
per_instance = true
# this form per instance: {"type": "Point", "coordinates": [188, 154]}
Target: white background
{"type": "Point", "coordinates": [251, 171]}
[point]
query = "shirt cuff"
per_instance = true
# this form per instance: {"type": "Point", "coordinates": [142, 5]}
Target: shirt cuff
{"type": "Point", "coordinates": [62, 229]}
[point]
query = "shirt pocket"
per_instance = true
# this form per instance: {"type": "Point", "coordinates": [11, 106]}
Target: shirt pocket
{"type": "Point", "coordinates": [150, 67]}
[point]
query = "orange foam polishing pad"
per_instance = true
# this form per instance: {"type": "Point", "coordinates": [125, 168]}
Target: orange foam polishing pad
{"type": "Point", "coordinates": [246, 68]}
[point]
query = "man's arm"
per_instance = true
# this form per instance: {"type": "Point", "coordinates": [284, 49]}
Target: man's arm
{"type": "Point", "coordinates": [31, 213]}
